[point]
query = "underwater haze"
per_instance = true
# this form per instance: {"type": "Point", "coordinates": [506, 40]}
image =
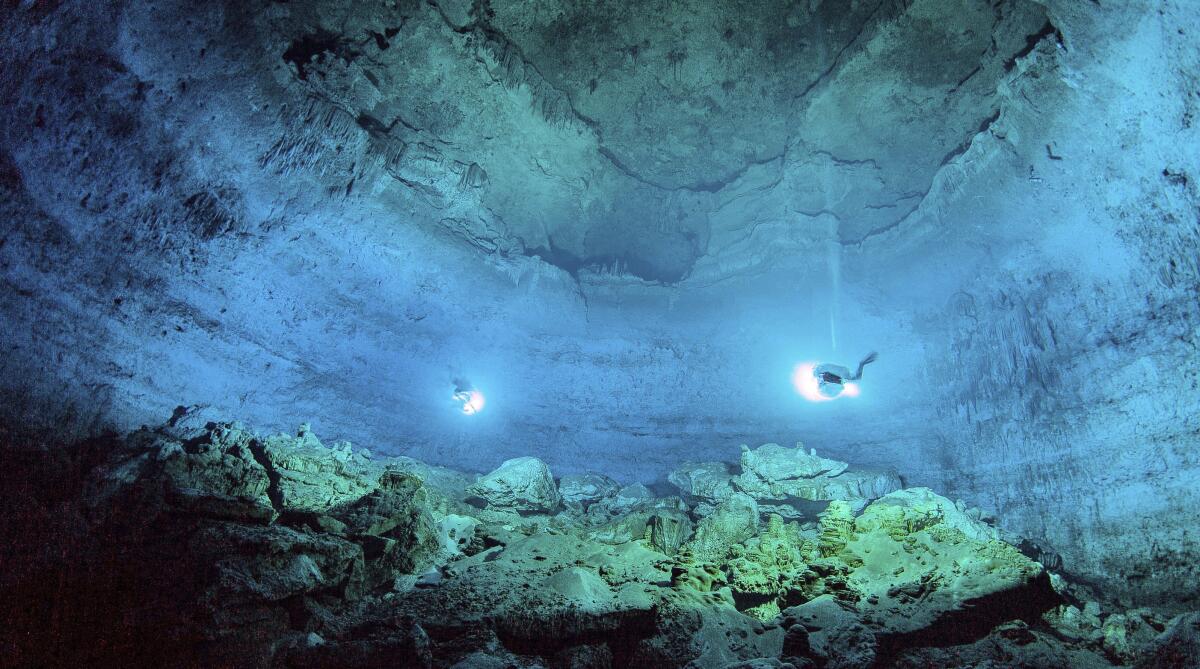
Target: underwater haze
{"type": "Point", "coordinates": [624, 330]}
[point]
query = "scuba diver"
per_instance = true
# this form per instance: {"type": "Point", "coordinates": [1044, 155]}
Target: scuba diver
{"type": "Point", "coordinates": [831, 379]}
{"type": "Point", "coordinates": [469, 399]}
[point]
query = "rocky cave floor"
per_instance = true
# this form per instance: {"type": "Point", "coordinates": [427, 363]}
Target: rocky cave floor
{"type": "Point", "coordinates": [208, 545]}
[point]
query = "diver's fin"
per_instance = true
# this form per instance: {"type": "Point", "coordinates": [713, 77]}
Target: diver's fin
{"type": "Point", "coordinates": [871, 357]}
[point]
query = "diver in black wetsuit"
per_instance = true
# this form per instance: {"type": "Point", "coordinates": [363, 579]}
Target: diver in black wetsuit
{"type": "Point", "coordinates": [831, 379]}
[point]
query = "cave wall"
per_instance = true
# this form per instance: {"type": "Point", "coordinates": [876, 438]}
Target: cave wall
{"type": "Point", "coordinates": [1065, 366]}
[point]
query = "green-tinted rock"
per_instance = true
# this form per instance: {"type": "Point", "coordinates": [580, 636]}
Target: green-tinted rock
{"type": "Point", "coordinates": [732, 522]}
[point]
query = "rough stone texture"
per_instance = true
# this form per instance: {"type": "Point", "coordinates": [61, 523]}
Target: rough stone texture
{"type": "Point", "coordinates": [586, 489]}
{"type": "Point", "coordinates": [181, 585]}
{"type": "Point", "coordinates": [832, 633]}
{"type": "Point", "coordinates": [773, 472]}
{"type": "Point", "coordinates": [790, 482]}
{"type": "Point", "coordinates": [708, 482]}
{"type": "Point", "coordinates": [772, 462]}
{"type": "Point", "coordinates": [733, 521]}
{"type": "Point", "coordinates": [335, 209]}
{"type": "Point", "coordinates": [521, 484]}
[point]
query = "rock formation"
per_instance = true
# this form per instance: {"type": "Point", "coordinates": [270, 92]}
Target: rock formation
{"type": "Point", "coordinates": [215, 546]}
{"type": "Point", "coordinates": [627, 222]}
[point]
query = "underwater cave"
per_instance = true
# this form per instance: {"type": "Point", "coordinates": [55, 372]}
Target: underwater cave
{"type": "Point", "coordinates": [719, 334]}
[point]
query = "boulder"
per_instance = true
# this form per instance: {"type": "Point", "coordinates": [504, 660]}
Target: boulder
{"type": "Point", "coordinates": [669, 531]}
{"type": "Point", "coordinates": [581, 490]}
{"type": "Point", "coordinates": [255, 566]}
{"type": "Point", "coordinates": [311, 477]}
{"type": "Point", "coordinates": [456, 533]}
{"type": "Point", "coordinates": [627, 500]}
{"type": "Point", "coordinates": [903, 512]}
{"type": "Point", "coordinates": [703, 482]}
{"type": "Point", "coordinates": [395, 527]}
{"type": "Point", "coordinates": [772, 462]}
{"type": "Point", "coordinates": [774, 473]}
{"type": "Point", "coordinates": [524, 485]}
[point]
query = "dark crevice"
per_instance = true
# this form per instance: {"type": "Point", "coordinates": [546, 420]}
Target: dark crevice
{"type": "Point", "coordinates": [1031, 43]}
{"type": "Point", "coordinates": [975, 619]}
{"type": "Point", "coordinates": [966, 145]}
{"type": "Point", "coordinates": [316, 46]}
{"type": "Point", "coordinates": [869, 162]}
{"type": "Point", "coordinates": [837, 58]}
{"type": "Point", "coordinates": [714, 186]}
{"type": "Point", "coordinates": [274, 492]}
{"type": "Point", "coordinates": [966, 78]}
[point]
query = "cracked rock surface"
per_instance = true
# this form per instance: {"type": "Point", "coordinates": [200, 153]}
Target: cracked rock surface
{"type": "Point", "coordinates": [625, 223]}
{"type": "Point", "coordinates": [177, 545]}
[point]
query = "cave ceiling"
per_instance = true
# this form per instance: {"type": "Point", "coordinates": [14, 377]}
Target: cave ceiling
{"type": "Point", "coordinates": [645, 138]}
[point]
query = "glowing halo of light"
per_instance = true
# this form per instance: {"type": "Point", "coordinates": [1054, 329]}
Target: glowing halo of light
{"type": "Point", "coordinates": [472, 401]}
{"type": "Point", "coordinates": [806, 384]}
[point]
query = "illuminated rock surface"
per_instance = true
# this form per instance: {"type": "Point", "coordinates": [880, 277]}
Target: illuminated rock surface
{"type": "Point", "coordinates": [626, 225]}
{"type": "Point", "coordinates": [364, 561]}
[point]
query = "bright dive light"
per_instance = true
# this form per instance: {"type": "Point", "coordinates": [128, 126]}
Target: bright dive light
{"type": "Point", "coordinates": [806, 383]}
{"type": "Point", "coordinates": [472, 401]}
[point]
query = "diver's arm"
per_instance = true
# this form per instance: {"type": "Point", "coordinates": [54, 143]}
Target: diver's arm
{"type": "Point", "coordinates": [863, 363]}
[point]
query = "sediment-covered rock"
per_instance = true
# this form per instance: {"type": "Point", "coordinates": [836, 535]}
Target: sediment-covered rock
{"type": "Point", "coordinates": [235, 550]}
{"type": "Point", "coordinates": [790, 482]}
{"type": "Point", "coordinates": [732, 522]}
{"type": "Point", "coordinates": [520, 484]}
{"type": "Point", "coordinates": [706, 483]}
{"type": "Point", "coordinates": [773, 472]}
{"type": "Point", "coordinates": [581, 490]}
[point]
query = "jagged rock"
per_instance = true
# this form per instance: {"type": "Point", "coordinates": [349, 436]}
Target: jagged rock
{"type": "Point", "coordinates": [669, 531]}
{"type": "Point", "coordinates": [733, 521]}
{"type": "Point", "coordinates": [703, 482]}
{"type": "Point", "coordinates": [836, 528]}
{"type": "Point", "coordinates": [701, 630]}
{"type": "Point", "coordinates": [580, 490]}
{"type": "Point", "coordinates": [310, 477]}
{"type": "Point", "coordinates": [831, 632]}
{"type": "Point", "coordinates": [921, 566]}
{"type": "Point", "coordinates": [520, 484]}
{"type": "Point", "coordinates": [1177, 647]}
{"type": "Point", "coordinates": [911, 510]}
{"type": "Point", "coordinates": [699, 576]}
{"type": "Point", "coordinates": [761, 570]}
{"type": "Point", "coordinates": [773, 472]}
{"type": "Point", "coordinates": [1073, 623]}
{"type": "Point", "coordinates": [364, 578]}
{"type": "Point", "coordinates": [1126, 635]}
